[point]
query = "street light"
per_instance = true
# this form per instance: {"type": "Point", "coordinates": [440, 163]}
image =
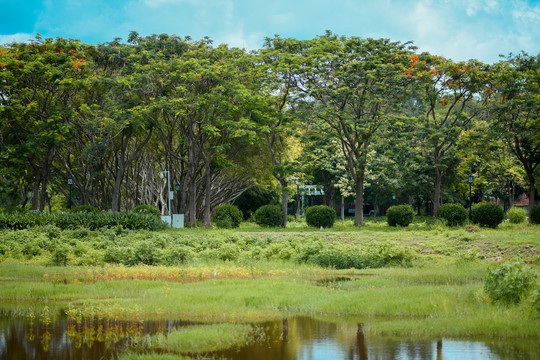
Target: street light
{"type": "Point", "coordinates": [470, 181]}
{"type": "Point", "coordinates": [70, 182]}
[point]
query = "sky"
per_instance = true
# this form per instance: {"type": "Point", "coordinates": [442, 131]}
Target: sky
{"type": "Point", "coordinates": [456, 29]}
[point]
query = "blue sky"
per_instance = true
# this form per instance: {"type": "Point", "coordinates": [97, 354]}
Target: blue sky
{"type": "Point", "coordinates": [457, 29]}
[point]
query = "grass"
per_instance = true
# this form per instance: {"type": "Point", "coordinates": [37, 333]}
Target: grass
{"type": "Point", "coordinates": [267, 275]}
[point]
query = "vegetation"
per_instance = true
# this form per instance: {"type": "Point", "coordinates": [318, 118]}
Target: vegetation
{"type": "Point", "coordinates": [510, 282]}
{"type": "Point", "coordinates": [269, 216]}
{"type": "Point", "coordinates": [516, 215]}
{"type": "Point", "coordinates": [320, 216]}
{"type": "Point", "coordinates": [401, 215]}
{"type": "Point", "coordinates": [535, 215]}
{"type": "Point", "coordinates": [453, 214]}
{"type": "Point", "coordinates": [85, 208]}
{"type": "Point", "coordinates": [146, 209]}
{"type": "Point", "coordinates": [228, 216]}
{"type": "Point", "coordinates": [489, 215]}
{"type": "Point", "coordinates": [367, 120]}
{"type": "Point", "coordinates": [75, 220]}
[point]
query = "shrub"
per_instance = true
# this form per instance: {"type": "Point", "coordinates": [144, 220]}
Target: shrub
{"type": "Point", "coordinates": [454, 214]}
{"type": "Point", "coordinates": [516, 215]}
{"type": "Point", "coordinates": [146, 209]}
{"type": "Point", "coordinates": [227, 216]}
{"type": "Point", "coordinates": [401, 215]}
{"type": "Point", "coordinates": [535, 215]}
{"type": "Point", "coordinates": [269, 216]}
{"type": "Point", "coordinates": [490, 215]}
{"type": "Point", "coordinates": [509, 282]}
{"type": "Point", "coordinates": [320, 215]}
{"type": "Point", "coordinates": [60, 255]}
{"type": "Point", "coordinates": [74, 220]}
{"type": "Point", "coordinates": [85, 209]}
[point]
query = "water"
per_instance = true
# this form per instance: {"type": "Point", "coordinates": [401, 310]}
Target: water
{"type": "Point", "coordinates": [295, 338]}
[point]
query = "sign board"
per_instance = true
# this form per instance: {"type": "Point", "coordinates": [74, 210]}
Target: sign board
{"type": "Point", "coordinates": [166, 219]}
{"type": "Point", "coordinates": [178, 221]}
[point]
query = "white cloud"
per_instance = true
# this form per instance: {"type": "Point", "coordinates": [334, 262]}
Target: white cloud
{"type": "Point", "coordinates": [19, 37]}
{"type": "Point", "coordinates": [527, 13]}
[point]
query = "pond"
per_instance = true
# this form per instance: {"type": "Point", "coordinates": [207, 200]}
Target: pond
{"type": "Point", "coordinates": [294, 338]}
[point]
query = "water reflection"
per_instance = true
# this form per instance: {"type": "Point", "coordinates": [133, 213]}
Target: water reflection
{"type": "Point", "coordinates": [306, 338]}
{"type": "Point", "coordinates": [290, 338]}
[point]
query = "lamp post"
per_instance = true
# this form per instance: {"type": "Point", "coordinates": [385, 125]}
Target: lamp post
{"type": "Point", "coordinates": [70, 182]}
{"type": "Point", "coordinates": [177, 188]}
{"type": "Point", "coordinates": [470, 181]}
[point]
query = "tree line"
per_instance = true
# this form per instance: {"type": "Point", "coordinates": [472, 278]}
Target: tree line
{"type": "Point", "coordinates": [348, 113]}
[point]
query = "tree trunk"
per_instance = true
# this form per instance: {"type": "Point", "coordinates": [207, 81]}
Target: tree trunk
{"type": "Point", "coordinates": [375, 207]}
{"type": "Point", "coordinates": [35, 193]}
{"type": "Point", "coordinates": [115, 206]}
{"type": "Point", "coordinates": [342, 208]}
{"type": "Point", "coordinates": [192, 194]}
{"type": "Point", "coordinates": [532, 200]}
{"type": "Point", "coordinates": [208, 195]}
{"type": "Point", "coordinates": [359, 212]}
{"type": "Point", "coordinates": [284, 202]}
{"type": "Point", "coordinates": [437, 191]}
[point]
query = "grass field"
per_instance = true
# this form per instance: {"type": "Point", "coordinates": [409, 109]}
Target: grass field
{"type": "Point", "coordinates": [417, 281]}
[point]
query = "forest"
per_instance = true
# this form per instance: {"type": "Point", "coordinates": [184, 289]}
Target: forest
{"type": "Point", "coordinates": [370, 120]}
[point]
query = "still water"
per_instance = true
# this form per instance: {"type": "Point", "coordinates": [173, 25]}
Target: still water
{"type": "Point", "coordinates": [294, 338]}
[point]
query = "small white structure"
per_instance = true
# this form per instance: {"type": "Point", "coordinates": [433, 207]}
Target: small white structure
{"type": "Point", "coordinates": [178, 221]}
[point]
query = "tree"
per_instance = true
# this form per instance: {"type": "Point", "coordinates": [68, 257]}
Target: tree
{"type": "Point", "coordinates": [453, 95]}
{"type": "Point", "coordinates": [353, 85]}
{"type": "Point", "coordinates": [38, 82]}
{"type": "Point", "coordinates": [516, 107]}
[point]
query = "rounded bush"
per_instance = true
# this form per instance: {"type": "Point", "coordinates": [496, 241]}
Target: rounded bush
{"type": "Point", "coordinates": [509, 282]}
{"type": "Point", "coordinates": [516, 215]}
{"type": "Point", "coordinates": [535, 215]}
{"type": "Point", "coordinates": [401, 215]}
{"type": "Point", "coordinates": [454, 214]}
{"type": "Point", "coordinates": [146, 209]}
{"type": "Point", "coordinates": [490, 215]}
{"type": "Point", "coordinates": [269, 216]}
{"type": "Point", "coordinates": [227, 216]}
{"type": "Point", "coordinates": [320, 215]}
{"type": "Point", "coordinates": [85, 209]}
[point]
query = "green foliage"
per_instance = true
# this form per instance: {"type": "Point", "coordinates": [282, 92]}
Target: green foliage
{"type": "Point", "coordinates": [516, 215]}
{"type": "Point", "coordinates": [347, 257]}
{"type": "Point", "coordinates": [320, 215]}
{"type": "Point", "coordinates": [269, 216]}
{"type": "Point", "coordinates": [146, 209]}
{"type": "Point", "coordinates": [401, 215]}
{"type": "Point", "coordinates": [490, 215]}
{"type": "Point", "coordinates": [75, 220]}
{"type": "Point", "coordinates": [454, 214]}
{"type": "Point", "coordinates": [60, 254]}
{"type": "Point", "coordinates": [227, 216]}
{"type": "Point", "coordinates": [509, 283]}
{"type": "Point", "coordinates": [253, 199]}
{"type": "Point", "coordinates": [535, 215]}
{"type": "Point", "coordinates": [85, 209]}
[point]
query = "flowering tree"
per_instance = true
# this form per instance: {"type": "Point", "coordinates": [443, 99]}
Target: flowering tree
{"type": "Point", "coordinates": [453, 94]}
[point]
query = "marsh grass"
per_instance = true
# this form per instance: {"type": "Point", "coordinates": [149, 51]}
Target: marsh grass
{"type": "Point", "coordinates": [253, 274]}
